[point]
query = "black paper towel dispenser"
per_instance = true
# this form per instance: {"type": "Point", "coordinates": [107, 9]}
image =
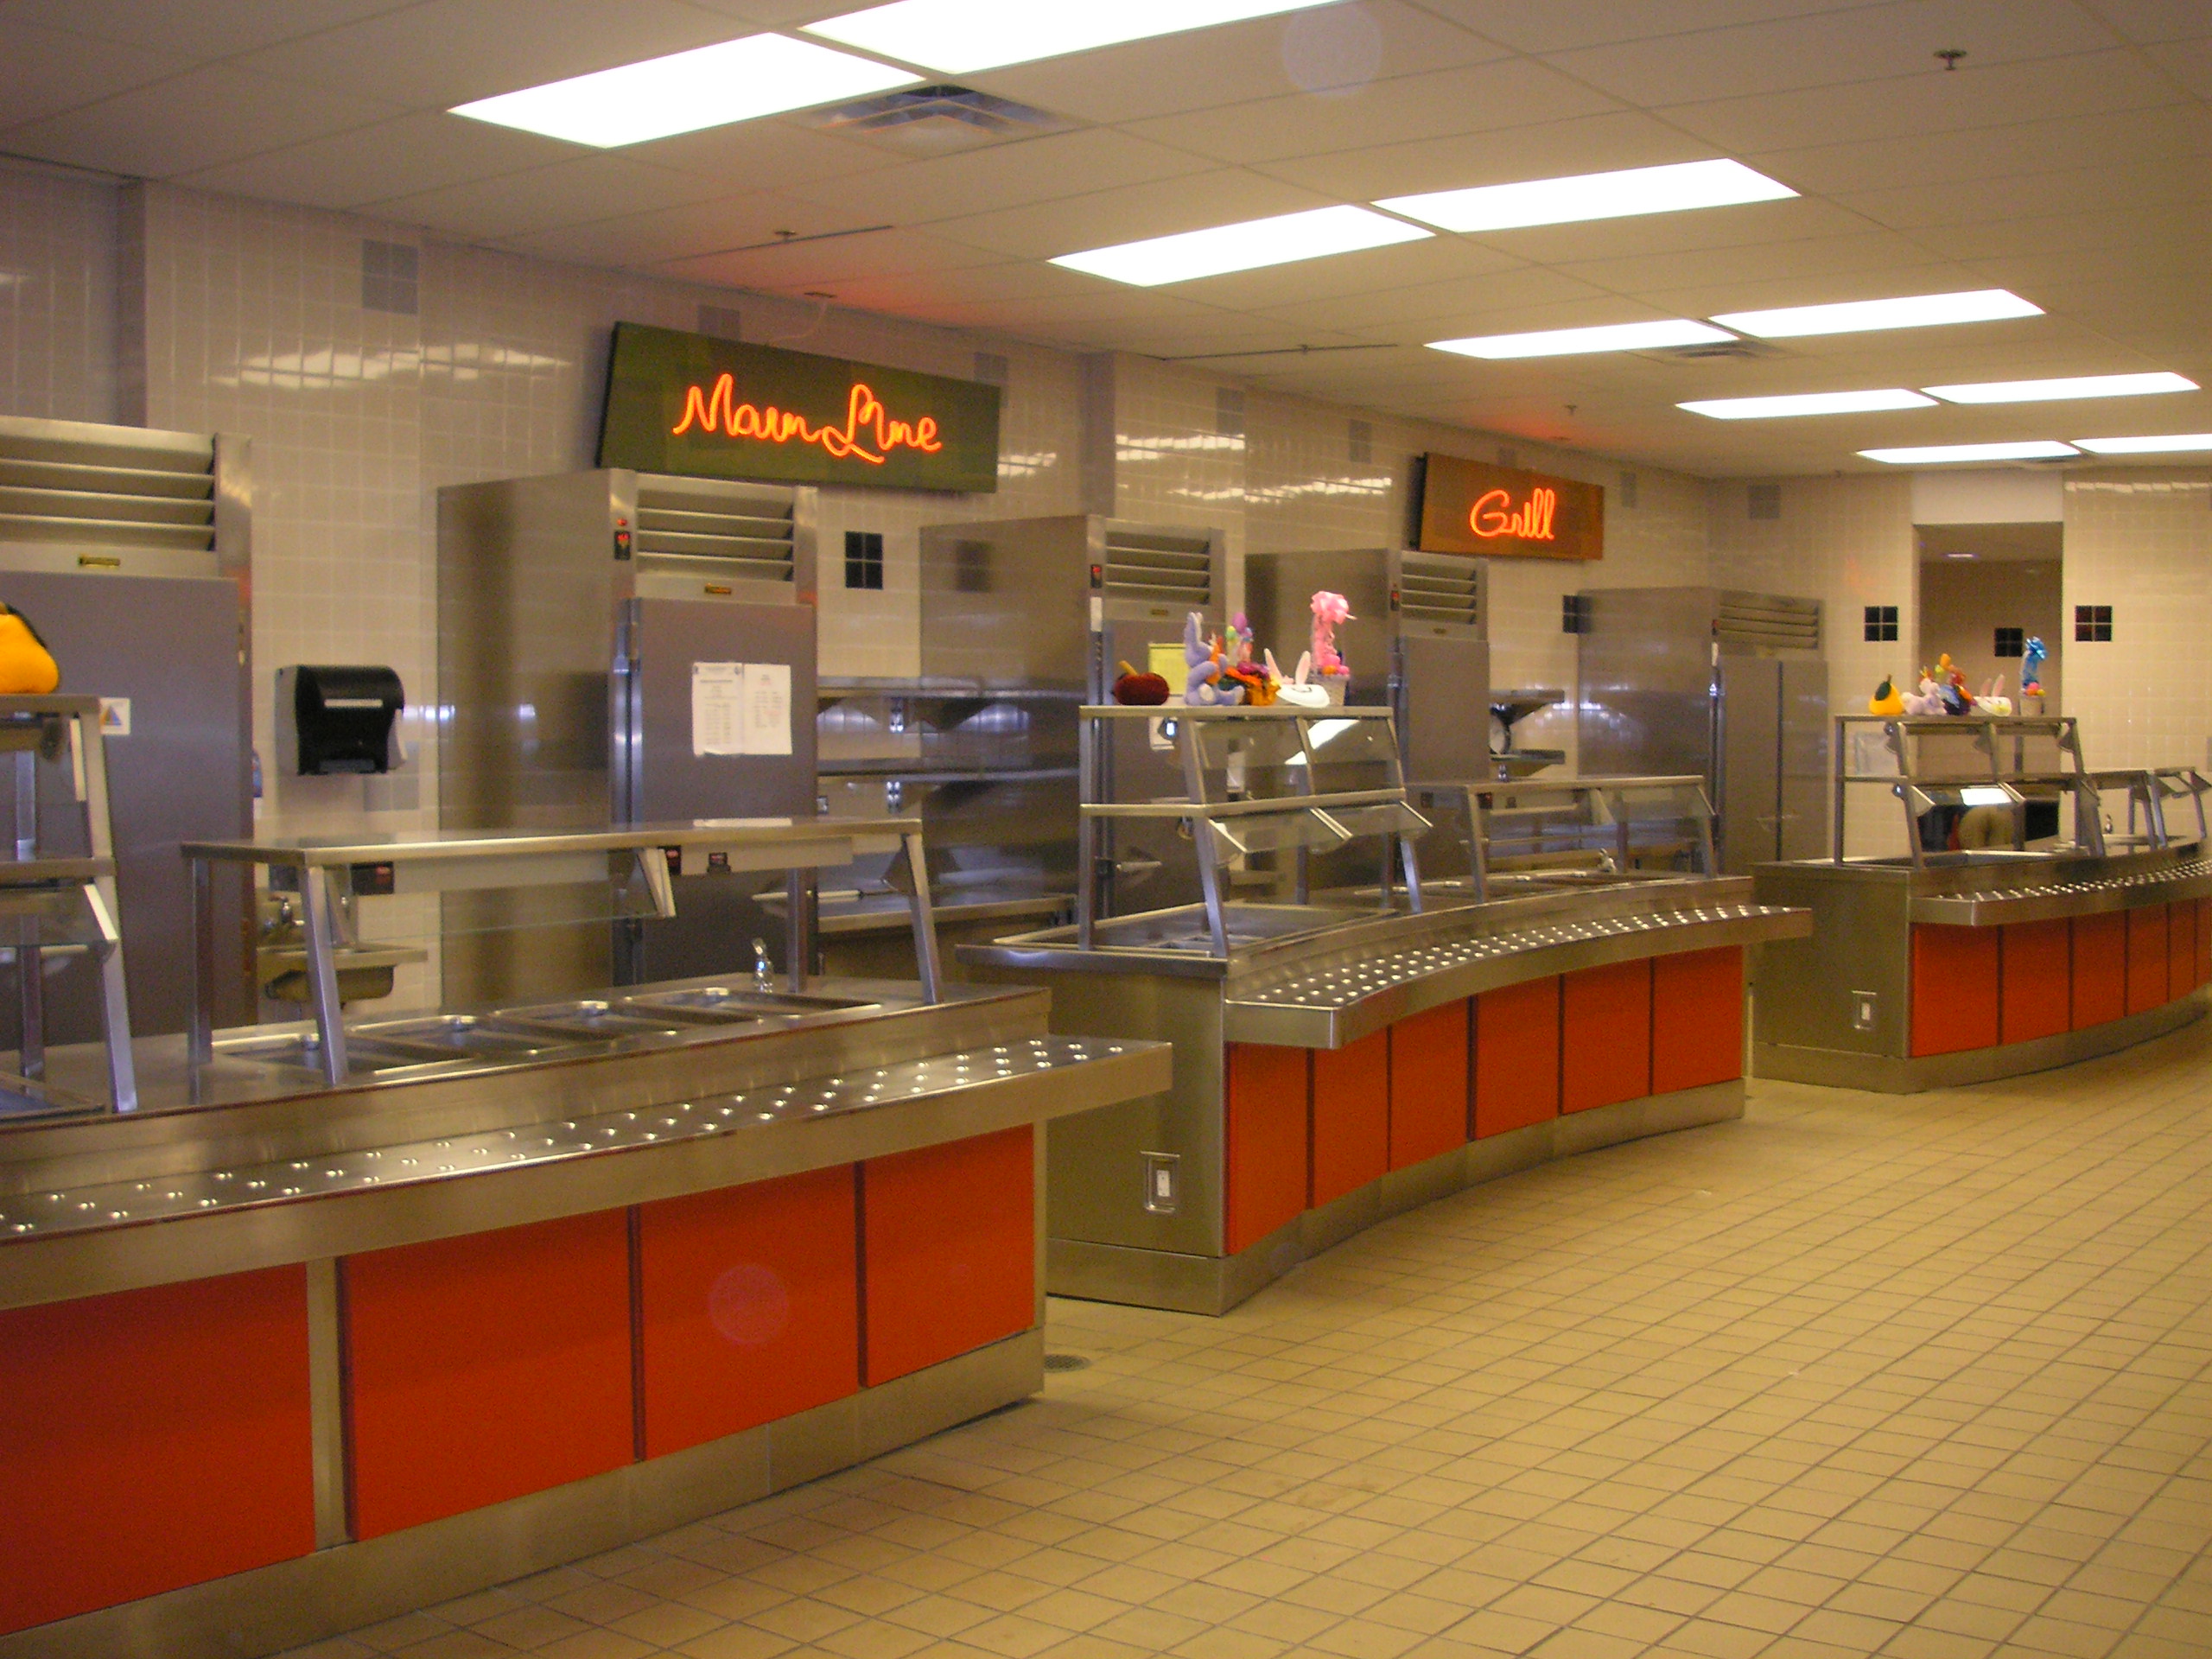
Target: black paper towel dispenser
{"type": "Point", "coordinates": [337, 719]}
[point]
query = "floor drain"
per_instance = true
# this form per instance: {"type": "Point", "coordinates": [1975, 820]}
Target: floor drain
{"type": "Point", "coordinates": [1066, 1362]}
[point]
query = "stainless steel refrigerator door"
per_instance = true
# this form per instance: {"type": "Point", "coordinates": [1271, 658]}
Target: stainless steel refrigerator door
{"type": "Point", "coordinates": [1750, 784]}
{"type": "Point", "coordinates": [715, 919]}
{"type": "Point", "coordinates": [1646, 693]}
{"type": "Point", "coordinates": [1444, 708]}
{"type": "Point", "coordinates": [170, 647]}
{"type": "Point", "coordinates": [1805, 765]}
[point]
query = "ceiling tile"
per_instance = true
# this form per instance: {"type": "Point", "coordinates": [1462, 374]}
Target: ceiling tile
{"type": "Point", "coordinates": [194, 29]}
{"type": "Point", "coordinates": [1319, 52]}
{"type": "Point", "coordinates": [405, 156]}
{"type": "Point", "coordinates": [825, 264]}
{"type": "Point", "coordinates": [1829, 257]}
{"type": "Point", "coordinates": [2189, 63]}
{"type": "Point", "coordinates": [1347, 280]}
{"type": "Point", "coordinates": [779, 154]}
{"type": "Point", "coordinates": [576, 192]}
{"type": "Point", "coordinates": [43, 71]}
{"type": "Point", "coordinates": [441, 53]}
{"type": "Point", "coordinates": [1007, 175]}
{"type": "Point", "coordinates": [1552, 150]}
{"type": "Point", "coordinates": [686, 230]}
{"type": "Point", "coordinates": [2158, 20]}
{"type": "Point", "coordinates": [1445, 104]}
{"type": "Point", "coordinates": [1749, 224]}
{"type": "Point", "coordinates": [191, 122]}
{"type": "Point", "coordinates": [1562, 25]}
{"type": "Point", "coordinates": [1936, 210]}
{"type": "Point", "coordinates": [1101, 219]}
{"type": "Point", "coordinates": [2176, 130]}
{"type": "Point", "coordinates": [1463, 306]}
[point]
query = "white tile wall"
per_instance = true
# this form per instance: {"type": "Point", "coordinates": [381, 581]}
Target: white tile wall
{"type": "Point", "coordinates": [58, 250]}
{"type": "Point", "coordinates": [2142, 545]}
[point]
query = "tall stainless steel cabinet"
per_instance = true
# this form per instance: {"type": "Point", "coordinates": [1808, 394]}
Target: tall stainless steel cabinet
{"type": "Point", "coordinates": [129, 551]}
{"type": "Point", "coordinates": [1418, 641]}
{"type": "Point", "coordinates": [1058, 604]}
{"type": "Point", "coordinates": [571, 610]}
{"type": "Point", "coordinates": [1728, 684]}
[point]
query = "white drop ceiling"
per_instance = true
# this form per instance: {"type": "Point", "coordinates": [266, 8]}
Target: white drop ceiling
{"type": "Point", "coordinates": [2068, 158]}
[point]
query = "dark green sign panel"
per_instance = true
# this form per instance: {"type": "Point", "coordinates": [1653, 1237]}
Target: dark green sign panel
{"type": "Point", "coordinates": [700, 407]}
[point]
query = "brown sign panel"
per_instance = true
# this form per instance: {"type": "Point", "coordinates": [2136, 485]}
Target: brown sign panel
{"type": "Point", "coordinates": [1469, 506]}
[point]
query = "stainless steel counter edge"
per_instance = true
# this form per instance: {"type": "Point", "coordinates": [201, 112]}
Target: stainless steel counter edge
{"type": "Point", "coordinates": [1995, 909]}
{"type": "Point", "coordinates": [1292, 1025]}
{"type": "Point", "coordinates": [697, 1158]}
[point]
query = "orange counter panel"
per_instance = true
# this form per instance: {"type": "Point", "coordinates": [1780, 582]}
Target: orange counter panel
{"type": "Point", "coordinates": [2180, 948]}
{"type": "Point", "coordinates": [1697, 1019]}
{"type": "Point", "coordinates": [2037, 997]}
{"type": "Point", "coordinates": [150, 1440]}
{"type": "Point", "coordinates": [2146, 957]}
{"type": "Point", "coordinates": [749, 1303]}
{"type": "Point", "coordinates": [1516, 1056]}
{"type": "Point", "coordinates": [2100, 969]}
{"type": "Point", "coordinates": [486, 1367]}
{"type": "Point", "coordinates": [1429, 1084]}
{"type": "Point", "coordinates": [2204, 941]}
{"type": "Point", "coordinates": [1604, 1035]}
{"type": "Point", "coordinates": [1954, 989]}
{"type": "Point", "coordinates": [1351, 1116]}
{"type": "Point", "coordinates": [948, 1250]}
{"type": "Point", "coordinates": [1267, 1153]}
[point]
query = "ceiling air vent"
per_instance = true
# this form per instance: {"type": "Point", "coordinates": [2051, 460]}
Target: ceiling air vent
{"type": "Point", "coordinates": [936, 120]}
{"type": "Point", "coordinates": [1153, 567]}
{"type": "Point", "coordinates": [1768, 622]}
{"type": "Point", "coordinates": [1437, 589]}
{"type": "Point", "coordinates": [1757, 350]}
{"type": "Point", "coordinates": [740, 532]}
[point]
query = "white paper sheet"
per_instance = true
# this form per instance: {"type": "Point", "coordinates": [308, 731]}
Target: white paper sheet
{"type": "Point", "coordinates": [767, 714]}
{"type": "Point", "coordinates": [717, 707]}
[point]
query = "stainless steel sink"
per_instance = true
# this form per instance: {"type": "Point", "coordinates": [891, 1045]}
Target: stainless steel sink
{"type": "Point", "coordinates": [723, 1004]}
{"type": "Point", "coordinates": [585, 1017]}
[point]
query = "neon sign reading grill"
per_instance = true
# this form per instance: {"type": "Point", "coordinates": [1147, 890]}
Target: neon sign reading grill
{"type": "Point", "coordinates": [1490, 517]}
{"type": "Point", "coordinates": [866, 420]}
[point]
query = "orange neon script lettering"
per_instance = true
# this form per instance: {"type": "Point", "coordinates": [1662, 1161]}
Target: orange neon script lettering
{"type": "Point", "coordinates": [1490, 517]}
{"type": "Point", "coordinates": [869, 433]}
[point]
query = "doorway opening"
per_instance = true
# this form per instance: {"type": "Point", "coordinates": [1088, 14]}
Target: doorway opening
{"type": "Point", "coordinates": [1985, 591]}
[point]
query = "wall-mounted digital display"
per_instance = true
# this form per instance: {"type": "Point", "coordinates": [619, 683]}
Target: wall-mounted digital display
{"type": "Point", "coordinates": [698, 407]}
{"type": "Point", "coordinates": [1471, 506]}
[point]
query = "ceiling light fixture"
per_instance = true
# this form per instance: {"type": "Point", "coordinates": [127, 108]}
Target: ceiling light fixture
{"type": "Point", "coordinates": [956, 37]}
{"type": "Point", "coordinates": [1625, 194]}
{"type": "Point", "coordinates": [708, 86]}
{"type": "Point", "coordinates": [1935, 454]}
{"type": "Point", "coordinates": [2171, 444]}
{"type": "Point", "coordinates": [1860, 317]}
{"type": "Point", "coordinates": [1568, 342]}
{"type": "Point", "coordinates": [2044, 392]}
{"type": "Point", "coordinates": [1810, 403]}
{"type": "Point", "coordinates": [1281, 240]}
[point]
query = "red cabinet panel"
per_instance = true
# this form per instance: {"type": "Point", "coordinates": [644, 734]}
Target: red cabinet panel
{"type": "Point", "coordinates": [1516, 1056]}
{"type": "Point", "coordinates": [1606, 1035]}
{"type": "Point", "coordinates": [2203, 941]}
{"type": "Point", "coordinates": [150, 1440]}
{"type": "Point", "coordinates": [749, 1302]}
{"type": "Point", "coordinates": [948, 1250]}
{"type": "Point", "coordinates": [486, 1367]}
{"type": "Point", "coordinates": [2038, 978]}
{"type": "Point", "coordinates": [1429, 1084]}
{"type": "Point", "coordinates": [1351, 1116]}
{"type": "Point", "coordinates": [1697, 1019]}
{"type": "Point", "coordinates": [1268, 1154]}
{"type": "Point", "coordinates": [2100, 969]}
{"type": "Point", "coordinates": [2180, 948]}
{"type": "Point", "coordinates": [2146, 957]}
{"type": "Point", "coordinates": [1954, 989]}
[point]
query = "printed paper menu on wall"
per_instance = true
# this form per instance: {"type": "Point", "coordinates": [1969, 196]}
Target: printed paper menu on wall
{"type": "Point", "coordinates": [1471, 506]}
{"type": "Point", "coordinates": [699, 407]}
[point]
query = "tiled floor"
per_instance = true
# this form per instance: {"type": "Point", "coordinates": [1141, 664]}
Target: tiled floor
{"type": "Point", "coordinates": [1924, 1377]}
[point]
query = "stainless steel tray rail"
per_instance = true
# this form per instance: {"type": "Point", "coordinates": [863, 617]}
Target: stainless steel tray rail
{"type": "Point", "coordinates": [1222, 752]}
{"type": "Point", "coordinates": [63, 900]}
{"type": "Point", "coordinates": [1993, 767]}
{"type": "Point", "coordinates": [1530, 819]}
{"type": "Point", "coordinates": [325, 872]}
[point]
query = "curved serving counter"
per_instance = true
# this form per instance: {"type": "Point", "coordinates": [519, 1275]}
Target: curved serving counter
{"type": "Point", "coordinates": [285, 1355]}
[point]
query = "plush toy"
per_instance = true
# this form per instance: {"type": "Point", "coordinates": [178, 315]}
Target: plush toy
{"type": "Point", "coordinates": [26, 667]}
{"type": "Point", "coordinates": [1329, 610]}
{"type": "Point", "coordinates": [1887, 700]}
{"type": "Point", "coordinates": [1259, 685]}
{"type": "Point", "coordinates": [1140, 691]}
{"type": "Point", "coordinates": [1992, 700]}
{"type": "Point", "coordinates": [1926, 700]}
{"type": "Point", "coordinates": [1297, 693]}
{"type": "Point", "coordinates": [2031, 660]}
{"type": "Point", "coordinates": [1207, 685]}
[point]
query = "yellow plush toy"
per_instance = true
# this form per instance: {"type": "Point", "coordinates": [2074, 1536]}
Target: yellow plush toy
{"type": "Point", "coordinates": [1886, 700]}
{"type": "Point", "coordinates": [26, 667]}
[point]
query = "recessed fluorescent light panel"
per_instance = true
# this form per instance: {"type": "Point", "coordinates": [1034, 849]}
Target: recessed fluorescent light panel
{"type": "Point", "coordinates": [1591, 195]}
{"type": "Point", "coordinates": [2041, 449]}
{"type": "Point", "coordinates": [1860, 316]}
{"type": "Point", "coordinates": [1568, 342]}
{"type": "Point", "coordinates": [1816, 403]}
{"type": "Point", "coordinates": [709, 86]}
{"type": "Point", "coordinates": [956, 37]}
{"type": "Point", "coordinates": [2044, 391]}
{"type": "Point", "coordinates": [2173, 444]}
{"type": "Point", "coordinates": [1255, 243]}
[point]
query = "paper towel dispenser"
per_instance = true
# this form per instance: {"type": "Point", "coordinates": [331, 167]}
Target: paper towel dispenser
{"type": "Point", "coordinates": [333, 719]}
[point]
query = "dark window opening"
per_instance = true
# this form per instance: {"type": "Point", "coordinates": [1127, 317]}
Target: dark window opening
{"type": "Point", "coordinates": [863, 558]}
{"type": "Point", "coordinates": [2011, 642]}
{"type": "Point", "coordinates": [1881, 622]}
{"type": "Point", "coordinates": [2093, 623]}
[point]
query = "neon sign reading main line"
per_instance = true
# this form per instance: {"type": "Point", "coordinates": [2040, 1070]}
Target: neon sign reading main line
{"type": "Point", "coordinates": [1491, 516]}
{"type": "Point", "coordinates": [869, 433]}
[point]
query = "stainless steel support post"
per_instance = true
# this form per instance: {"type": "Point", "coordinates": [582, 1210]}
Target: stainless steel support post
{"type": "Point", "coordinates": [926, 965]}
{"type": "Point", "coordinates": [799, 925]}
{"type": "Point", "coordinates": [320, 904]}
{"type": "Point", "coordinates": [1086, 840]}
{"type": "Point", "coordinates": [30, 985]}
{"type": "Point", "coordinates": [115, 1000]}
{"type": "Point", "coordinates": [199, 1035]}
{"type": "Point", "coordinates": [1413, 874]}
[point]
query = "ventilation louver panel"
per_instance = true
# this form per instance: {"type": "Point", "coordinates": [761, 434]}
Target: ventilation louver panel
{"type": "Point", "coordinates": [1774, 621]}
{"type": "Point", "coordinates": [741, 532]}
{"type": "Point", "coordinates": [1432, 589]}
{"type": "Point", "coordinates": [1154, 568]}
{"type": "Point", "coordinates": [86, 488]}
